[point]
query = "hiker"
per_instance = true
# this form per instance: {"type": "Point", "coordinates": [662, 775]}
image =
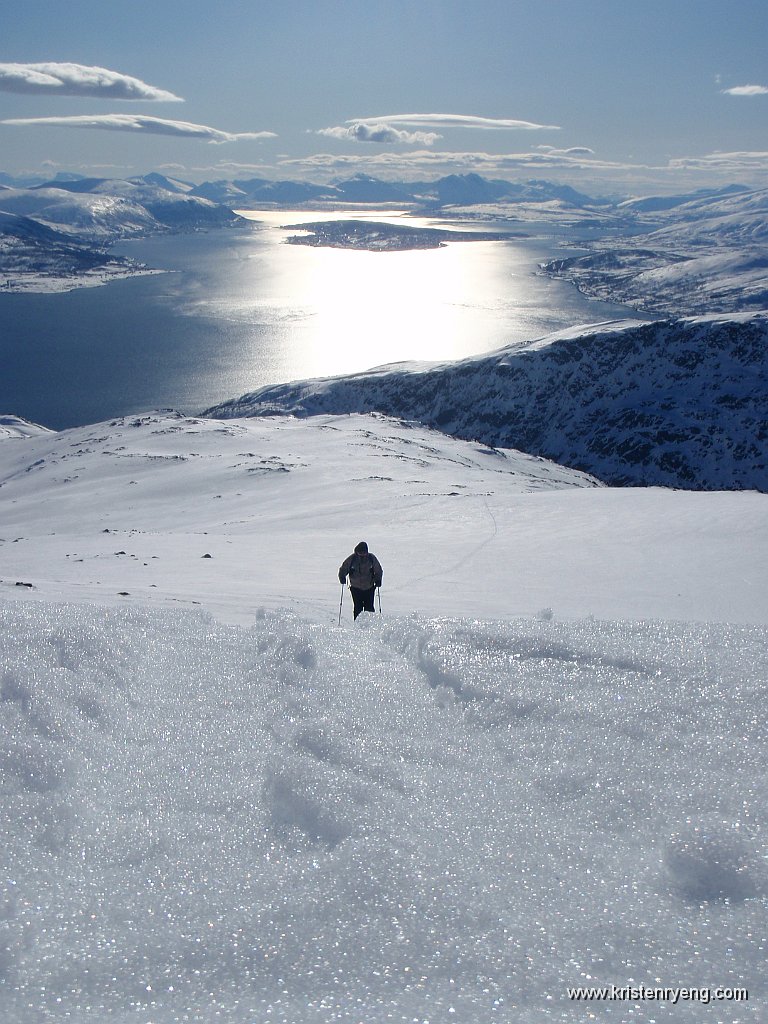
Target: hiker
{"type": "Point", "coordinates": [365, 573]}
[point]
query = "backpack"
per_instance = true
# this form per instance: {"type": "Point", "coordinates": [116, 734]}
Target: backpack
{"type": "Point", "coordinates": [362, 565]}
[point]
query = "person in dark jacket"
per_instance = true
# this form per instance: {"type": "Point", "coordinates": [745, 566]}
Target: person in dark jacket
{"type": "Point", "coordinates": [365, 574]}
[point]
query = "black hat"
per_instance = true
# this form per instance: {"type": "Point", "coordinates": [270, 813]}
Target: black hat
{"type": "Point", "coordinates": [361, 548]}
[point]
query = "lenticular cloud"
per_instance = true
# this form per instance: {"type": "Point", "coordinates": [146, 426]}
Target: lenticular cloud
{"type": "Point", "coordinates": [140, 123]}
{"type": "Point", "coordinates": [54, 78]}
{"type": "Point", "coordinates": [746, 90]}
{"type": "Point", "coordinates": [452, 121]}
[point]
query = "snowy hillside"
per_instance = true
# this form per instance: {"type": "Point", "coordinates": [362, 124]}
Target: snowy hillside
{"type": "Point", "coordinates": [98, 219]}
{"type": "Point", "coordinates": [705, 255]}
{"type": "Point", "coordinates": [538, 768]}
{"type": "Point", "coordinates": [38, 258]}
{"type": "Point", "coordinates": [662, 280]}
{"type": "Point", "coordinates": [131, 507]}
{"type": "Point", "coordinates": [55, 238]}
{"type": "Point", "coordinates": [14, 427]}
{"type": "Point", "coordinates": [164, 201]}
{"type": "Point", "coordinates": [676, 403]}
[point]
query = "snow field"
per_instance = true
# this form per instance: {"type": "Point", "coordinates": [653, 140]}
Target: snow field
{"type": "Point", "coordinates": [408, 819]}
{"type": "Point", "coordinates": [131, 507]}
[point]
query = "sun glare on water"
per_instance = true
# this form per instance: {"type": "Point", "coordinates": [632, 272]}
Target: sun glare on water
{"type": "Point", "coordinates": [356, 308]}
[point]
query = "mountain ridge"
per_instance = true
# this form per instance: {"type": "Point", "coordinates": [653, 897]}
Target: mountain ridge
{"type": "Point", "coordinates": [675, 403]}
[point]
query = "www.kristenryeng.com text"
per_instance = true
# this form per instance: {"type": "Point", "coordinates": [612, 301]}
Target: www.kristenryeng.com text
{"type": "Point", "coordinates": [649, 993]}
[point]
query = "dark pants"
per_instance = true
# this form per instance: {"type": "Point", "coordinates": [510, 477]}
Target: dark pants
{"type": "Point", "coordinates": [362, 600]}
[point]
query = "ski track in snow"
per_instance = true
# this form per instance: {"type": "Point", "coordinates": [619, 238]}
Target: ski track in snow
{"type": "Point", "coordinates": [466, 558]}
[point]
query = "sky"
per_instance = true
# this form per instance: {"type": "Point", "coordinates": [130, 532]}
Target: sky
{"type": "Point", "coordinates": [659, 95]}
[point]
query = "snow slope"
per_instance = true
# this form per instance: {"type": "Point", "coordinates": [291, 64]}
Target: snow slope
{"type": "Point", "coordinates": [14, 427]}
{"type": "Point", "coordinates": [54, 237]}
{"type": "Point", "coordinates": [664, 281]}
{"type": "Point", "coordinates": [428, 820]}
{"type": "Point", "coordinates": [705, 255]}
{"type": "Point", "coordinates": [38, 258]}
{"type": "Point", "coordinates": [95, 219]}
{"type": "Point", "coordinates": [133, 506]}
{"type": "Point", "coordinates": [542, 766]}
{"type": "Point", "coordinates": [677, 403]}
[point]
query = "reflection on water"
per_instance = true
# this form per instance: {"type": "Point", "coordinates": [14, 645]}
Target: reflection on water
{"type": "Point", "coordinates": [242, 310]}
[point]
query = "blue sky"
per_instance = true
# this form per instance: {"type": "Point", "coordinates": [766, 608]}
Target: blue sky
{"type": "Point", "coordinates": [600, 93]}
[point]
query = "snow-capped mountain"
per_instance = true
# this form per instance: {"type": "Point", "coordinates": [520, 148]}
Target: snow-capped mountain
{"type": "Point", "coordinates": [706, 254]}
{"type": "Point", "coordinates": [450, 191]}
{"type": "Point", "coordinates": [676, 403]}
{"type": "Point", "coordinates": [83, 218]}
{"type": "Point", "coordinates": [88, 218]}
{"type": "Point", "coordinates": [657, 204]}
{"type": "Point", "coordinates": [36, 257]}
{"type": "Point", "coordinates": [122, 208]}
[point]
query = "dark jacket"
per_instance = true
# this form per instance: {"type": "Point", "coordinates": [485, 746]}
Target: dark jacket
{"type": "Point", "coordinates": [364, 571]}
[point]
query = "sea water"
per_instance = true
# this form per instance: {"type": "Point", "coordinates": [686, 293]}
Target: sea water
{"type": "Point", "coordinates": [239, 308]}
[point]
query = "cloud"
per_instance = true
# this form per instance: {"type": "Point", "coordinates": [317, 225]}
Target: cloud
{"type": "Point", "coordinates": [139, 124]}
{"type": "Point", "coordinates": [592, 174]}
{"type": "Point", "coordinates": [226, 169]}
{"type": "Point", "coordinates": [359, 131]}
{"type": "Point", "coordinates": [730, 163]}
{"type": "Point", "coordinates": [448, 162]}
{"type": "Point", "coordinates": [571, 151]}
{"type": "Point", "coordinates": [429, 164]}
{"type": "Point", "coordinates": [746, 90]}
{"type": "Point", "coordinates": [579, 161]}
{"type": "Point", "coordinates": [452, 121]}
{"type": "Point", "coordinates": [78, 80]}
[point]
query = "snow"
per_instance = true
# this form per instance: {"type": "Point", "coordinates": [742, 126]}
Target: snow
{"type": "Point", "coordinates": [61, 244]}
{"type": "Point", "coordinates": [134, 504]}
{"type": "Point", "coordinates": [457, 822]}
{"type": "Point", "coordinates": [704, 255]}
{"type": "Point", "coordinates": [16, 427]}
{"type": "Point", "coordinates": [675, 403]}
{"type": "Point", "coordinates": [542, 766]}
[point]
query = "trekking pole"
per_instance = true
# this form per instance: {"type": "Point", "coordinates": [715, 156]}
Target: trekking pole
{"type": "Point", "coordinates": [378, 591]}
{"type": "Point", "coordinates": [341, 602]}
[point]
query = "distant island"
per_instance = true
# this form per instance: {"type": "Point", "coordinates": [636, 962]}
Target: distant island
{"type": "Point", "coordinates": [380, 237]}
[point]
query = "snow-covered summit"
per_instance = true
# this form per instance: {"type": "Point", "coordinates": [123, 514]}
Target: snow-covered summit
{"type": "Point", "coordinates": [676, 403]}
{"type": "Point", "coordinates": [108, 210]}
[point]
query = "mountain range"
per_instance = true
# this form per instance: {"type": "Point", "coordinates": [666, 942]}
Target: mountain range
{"type": "Point", "coordinates": [704, 253]}
{"type": "Point", "coordinates": [56, 236]}
{"type": "Point", "coordinates": [693, 253]}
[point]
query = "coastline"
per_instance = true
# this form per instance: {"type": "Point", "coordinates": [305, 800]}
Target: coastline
{"type": "Point", "coordinates": [41, 283]}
